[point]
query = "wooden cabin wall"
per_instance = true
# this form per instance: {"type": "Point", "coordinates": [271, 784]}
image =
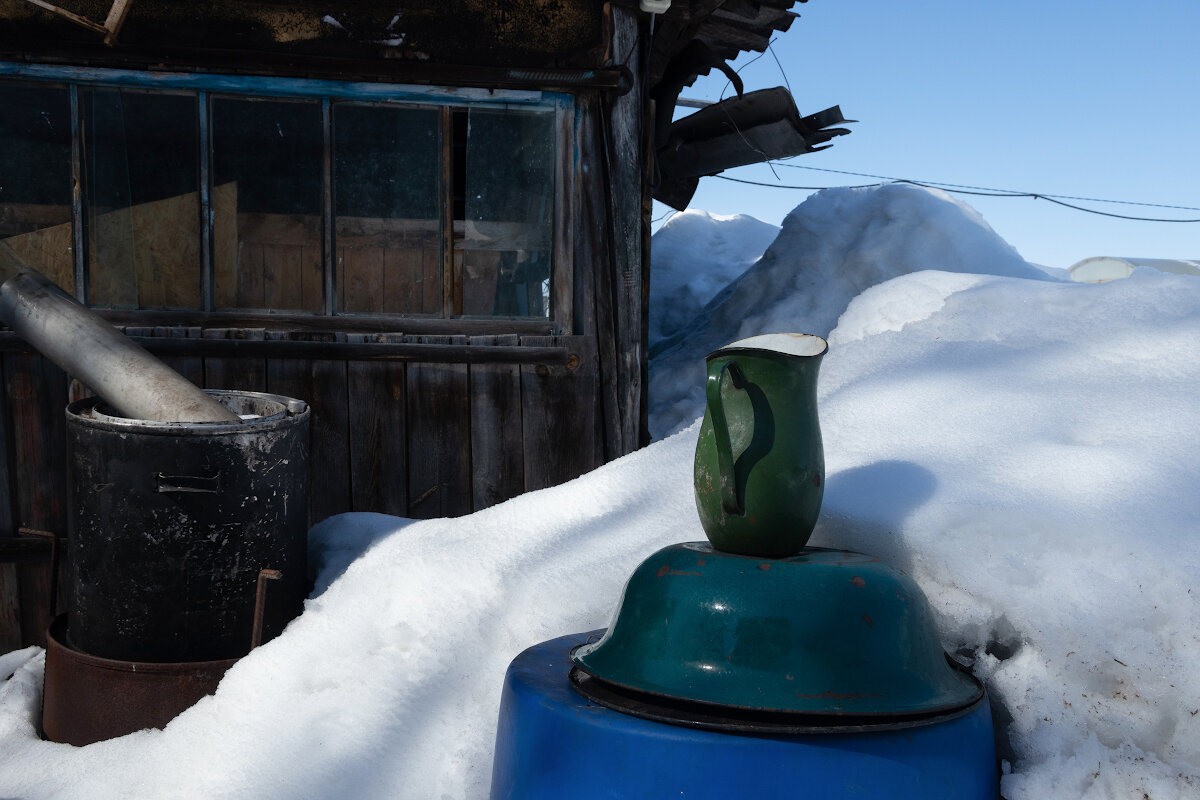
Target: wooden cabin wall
{"type": "Point", "coordinates": [415, 437]}
{"type": "Point", "coordinates": [611, 257]}
{"type": "Point", "coordinates": [405, 437]}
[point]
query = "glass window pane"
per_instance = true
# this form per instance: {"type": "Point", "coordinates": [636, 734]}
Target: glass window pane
{"type": "Point", "coordinates": [35, 178]}
{"type": "Point", "coordinates": [267, 201]}
{"type": "Point", "coordinates": [141, 154]}
{"type": "Point", "coordinates": [509, 208]}
{"type": "Point", "coordinates": [387, 179]}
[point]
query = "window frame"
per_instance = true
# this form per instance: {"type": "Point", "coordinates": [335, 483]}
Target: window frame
{"type": "Point", "coordinates": [206, 87]}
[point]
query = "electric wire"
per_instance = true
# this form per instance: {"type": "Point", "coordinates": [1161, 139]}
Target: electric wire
{"type": "Point", "coordinates": [729, 83]}
{"type": "Point", "coordinates": [779, 64]}
{"type": "Point", "coordinates": [1011, 192]}
{"type": "Point", "coordinates": [954, 188]}
{"type": "Point", "coordinates": [979, 193]}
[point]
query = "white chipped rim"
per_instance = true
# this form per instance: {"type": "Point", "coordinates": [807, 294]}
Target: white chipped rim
{"type": "Point", "coordinates": [805, 345]}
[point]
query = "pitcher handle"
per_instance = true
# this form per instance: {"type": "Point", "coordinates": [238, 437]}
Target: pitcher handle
{"type": "Point", "coordinates": [730, 499]}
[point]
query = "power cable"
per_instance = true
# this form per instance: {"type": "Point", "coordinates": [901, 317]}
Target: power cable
{"type": "Point", "coordinates": [954, 188]}
{"type": "Point", "coordinates": [729, 83]}
{"type": "Point", "coordinates": [779, 64]}
{"type": "Point", "coordinates": [1009, 192]}
{"type": "Point", "coordinates": [979, 193]}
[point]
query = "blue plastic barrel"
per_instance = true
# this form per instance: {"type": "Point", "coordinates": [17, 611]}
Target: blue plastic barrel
{"type": "Point", "coordinates": [552, 743]}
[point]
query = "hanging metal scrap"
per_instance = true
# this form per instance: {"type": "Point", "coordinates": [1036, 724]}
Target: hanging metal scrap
{"type": "Point", "coordinates": [757, 126]}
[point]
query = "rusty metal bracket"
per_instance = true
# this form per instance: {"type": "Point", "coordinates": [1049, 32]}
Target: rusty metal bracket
{"type": "Point", "coordinates": [24, 550]}
{"type": "Point", "coordinates": [260, 604]}
{"type": "Point", "coordinates": [31, 546]}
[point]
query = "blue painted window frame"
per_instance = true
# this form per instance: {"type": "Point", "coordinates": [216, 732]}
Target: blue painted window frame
{"type": "Point", "coordinates": [209, 85]}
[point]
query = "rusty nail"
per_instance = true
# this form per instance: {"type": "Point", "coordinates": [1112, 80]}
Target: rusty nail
{"type": "Point", "coordinates": [572, 361]}
{"type": "Point", "coordinates": [425, 495]}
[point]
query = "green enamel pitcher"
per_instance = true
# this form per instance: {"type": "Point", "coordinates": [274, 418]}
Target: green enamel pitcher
{"type": "Point", "coordinates": [760, 465]}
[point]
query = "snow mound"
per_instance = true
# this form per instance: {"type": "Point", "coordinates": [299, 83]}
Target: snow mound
{"type": "Point", "coordinates": [1026, 451]}
{"type": "Point", "coordinates": [830, 248]}
{"type": "Point", "coordinates": [695, 255]}
{"type": "Point", "coordinates": [388, 685]}
{"type": "Point", "coordinates": [1024, 448]}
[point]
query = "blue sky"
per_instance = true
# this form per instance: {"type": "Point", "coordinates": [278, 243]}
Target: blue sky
{"type": "Point", "coordinates": [1092, 99]}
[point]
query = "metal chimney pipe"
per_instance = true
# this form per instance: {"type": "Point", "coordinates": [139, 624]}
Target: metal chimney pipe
{"type": "Point", "coordinates": [78, 340]}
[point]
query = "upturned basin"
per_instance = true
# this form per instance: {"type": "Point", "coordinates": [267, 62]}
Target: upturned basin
{"type": "Point", "coordinates": [824, 632]}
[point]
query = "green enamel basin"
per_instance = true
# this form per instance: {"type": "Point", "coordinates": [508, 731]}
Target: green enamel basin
{"type": "Point", "coordinates": [823, 632]}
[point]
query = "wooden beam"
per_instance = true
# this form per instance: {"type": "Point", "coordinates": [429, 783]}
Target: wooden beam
{"type": "Point", "coordinates": [300, 345]}
{"type": "Point", "coordinates": [115, 19]}
{"type": "Point", "coordinates": [112, 23]}
{"type": "Point", "coordinates": [62, 12]}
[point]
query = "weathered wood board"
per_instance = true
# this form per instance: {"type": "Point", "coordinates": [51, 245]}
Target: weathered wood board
{"type": "Point", "coordinates": [378, 438]}
{"type": "Point", "coordinates": [438, 416]}
{"type": "Point", "coordinates": [497, 428]}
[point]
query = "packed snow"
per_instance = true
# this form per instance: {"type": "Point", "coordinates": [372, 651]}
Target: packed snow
{"type": "Point", "coordinates": [1024, 447]}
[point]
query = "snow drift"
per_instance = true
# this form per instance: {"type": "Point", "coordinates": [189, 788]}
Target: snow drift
{"type": "Point", "coordinates": [694, 255]}
{"type": "Point", "coordinates": [831, 247]}
{"type": "Point", "coordinates": [1024, 448]}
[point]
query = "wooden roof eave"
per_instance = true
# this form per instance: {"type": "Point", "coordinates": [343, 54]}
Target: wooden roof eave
{"type": "Point", "coordinates": [695, 37]}
{"type": "Point", "coordinates": [728, 27]}
{"type": "Point", "coordinates": [189, 34]}
{"type": "Point", "coordinates": [745, 129]}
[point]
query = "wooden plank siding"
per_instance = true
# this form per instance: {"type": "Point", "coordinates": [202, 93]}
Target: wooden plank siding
{"type": "Point", "coordinates": [10, 590]}
{"type": "Point", "coordinates": [497, 428]}
{"type": "Point", "coordinates": [378, 438]}
{"type": "Point", "coordinates": [300, 304]}
{"type": "Point", "coordinates": [560, 433]}
{"type": "Point", "coordinates": [438, 413]}
{"type": "Point", "coordinates": [397, 436]}
{"type": "Point", "coordinates": [36, 395]}
{"type": "Point", "coordinates": [243, 374]}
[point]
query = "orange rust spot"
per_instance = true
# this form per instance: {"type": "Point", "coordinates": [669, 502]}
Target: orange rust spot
{"type": "Point", "coordinates": [867, 619]}
{"type": "Point", "coordinates": [817, 479]}
{"type": "Point", "coordinates": [858, 582]}
{"type": "Point", "coordinates": [665, 569]}
{"type": "Point", "coordinates": [764, 566]}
